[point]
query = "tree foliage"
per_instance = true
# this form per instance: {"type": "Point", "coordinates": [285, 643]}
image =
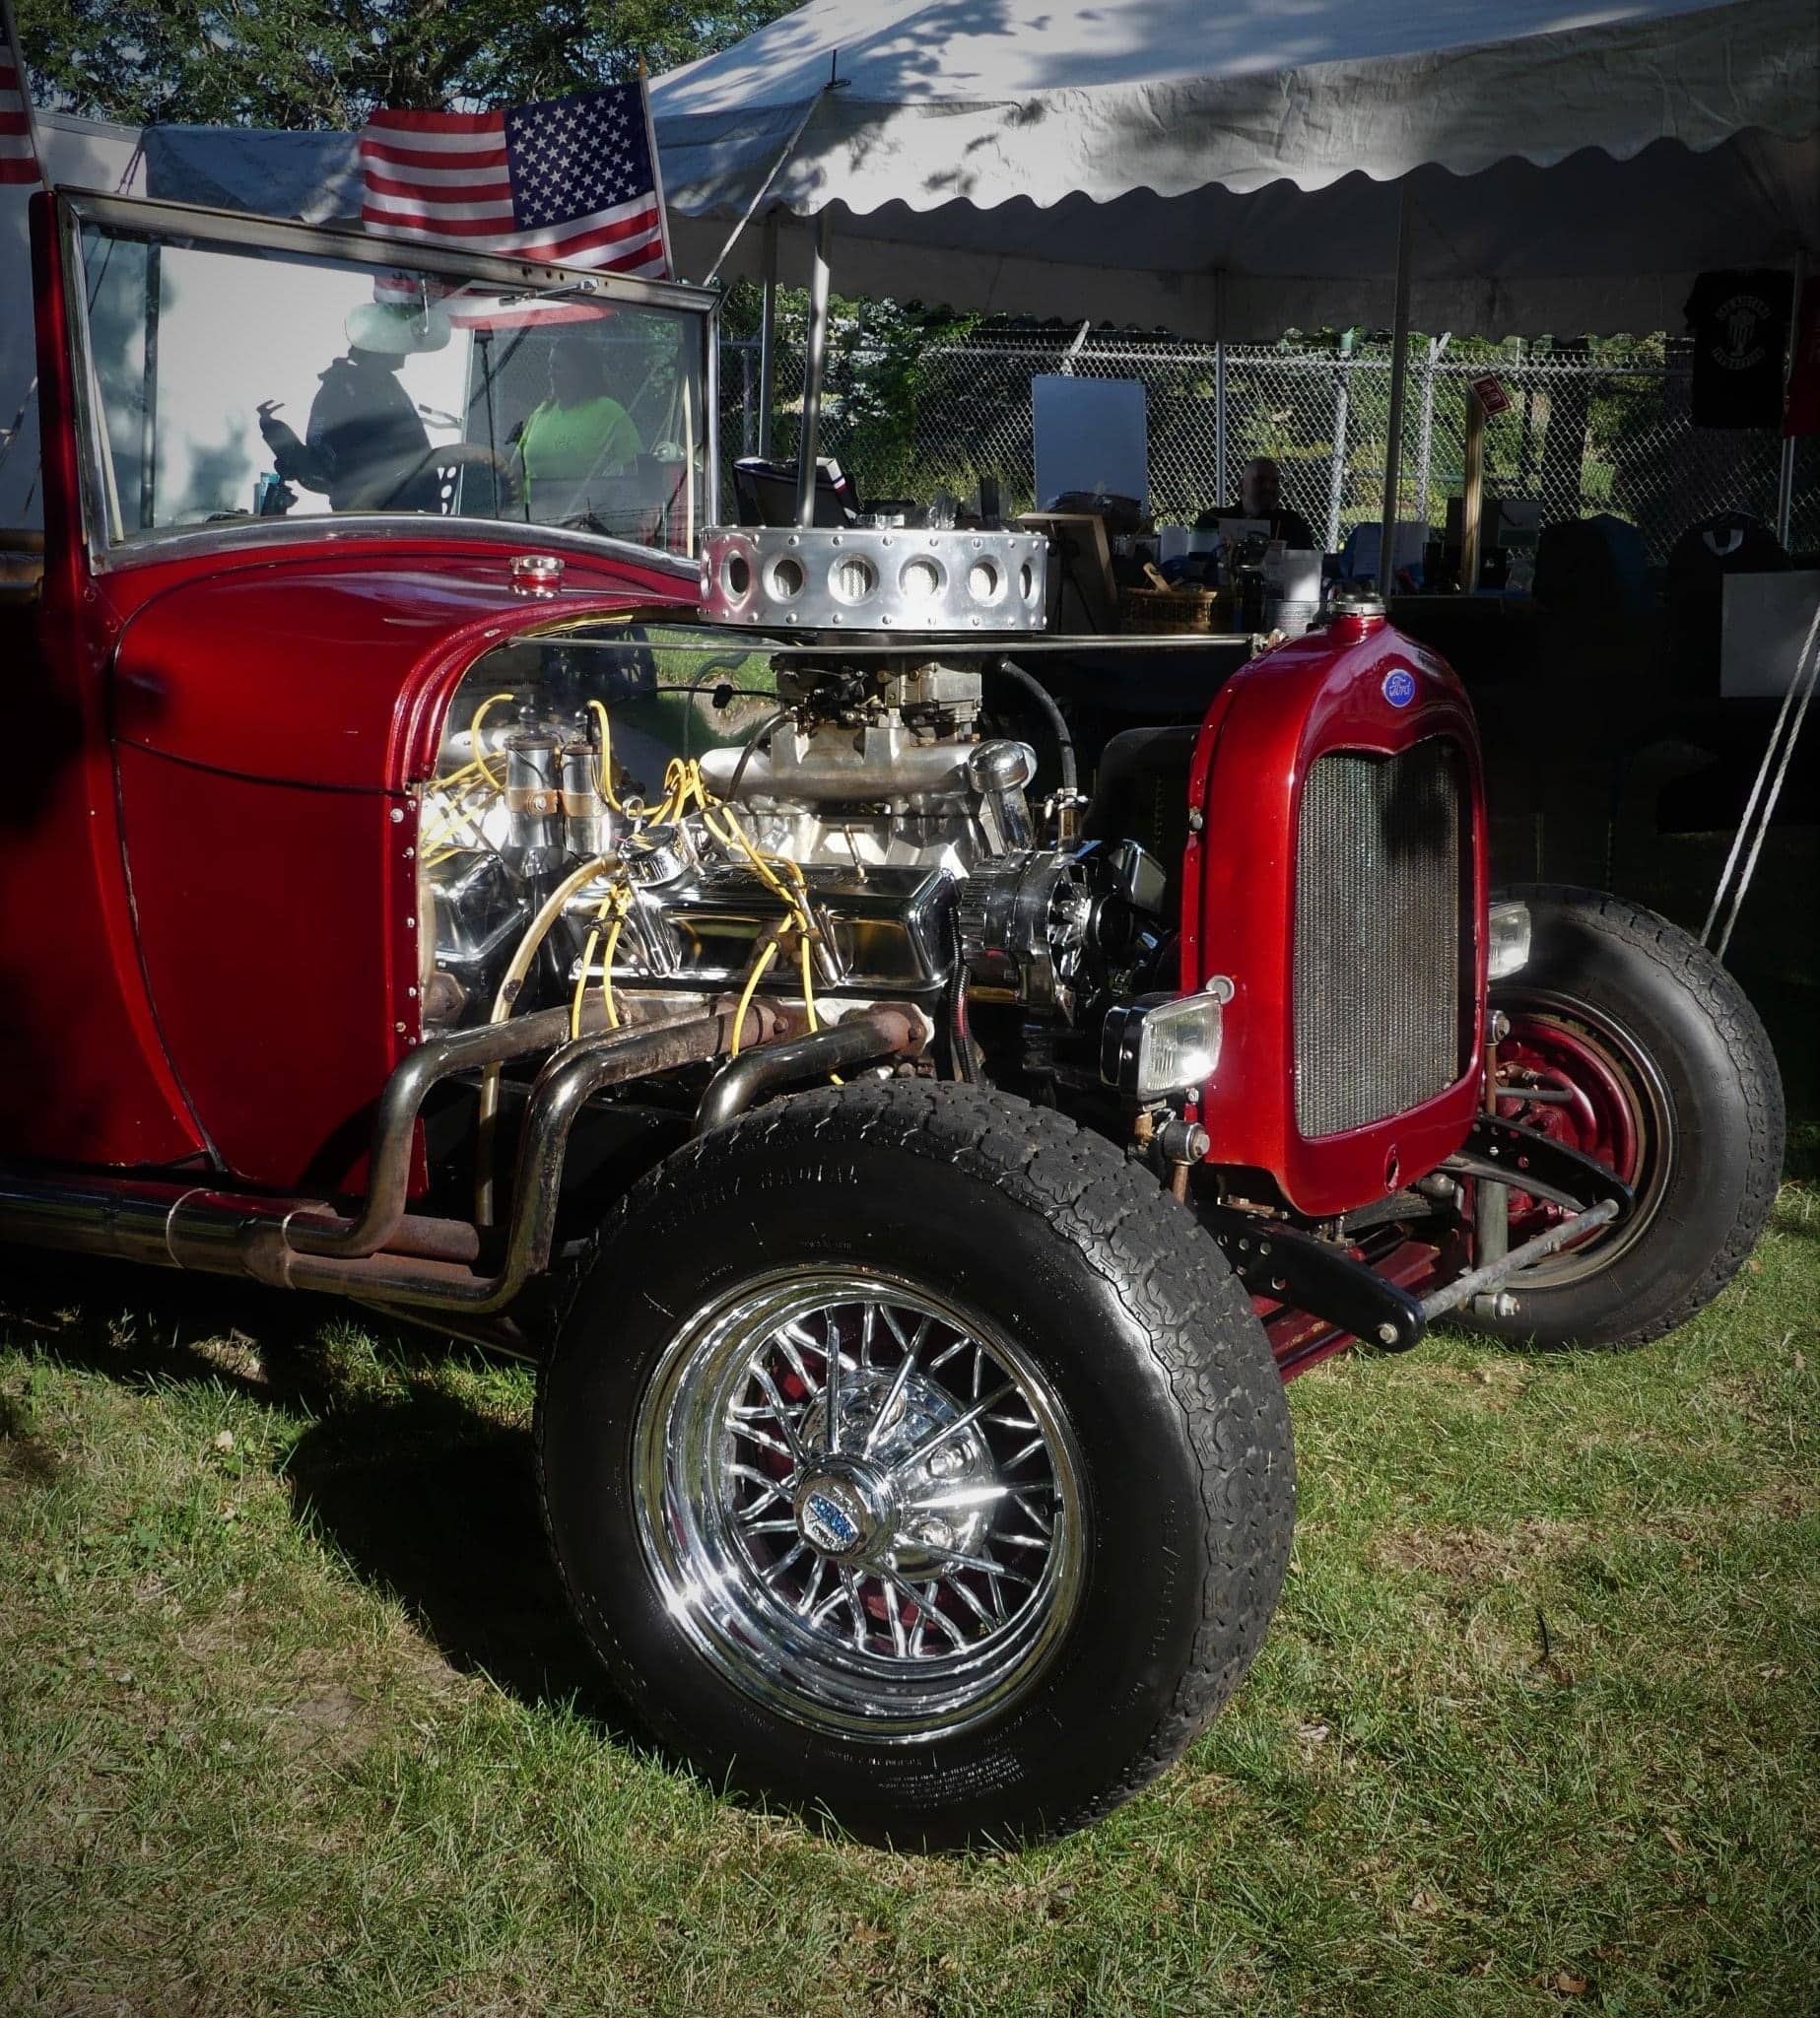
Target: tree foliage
{"type": "Point", "coordinates": [304, 63]}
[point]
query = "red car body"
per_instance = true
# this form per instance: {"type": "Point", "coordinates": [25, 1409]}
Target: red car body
{"type": "Point", "coordinates": [237, 729]}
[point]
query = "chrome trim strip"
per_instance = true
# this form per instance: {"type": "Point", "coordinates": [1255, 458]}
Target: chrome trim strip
{"type": "Point", "coordinates": [238, 534]}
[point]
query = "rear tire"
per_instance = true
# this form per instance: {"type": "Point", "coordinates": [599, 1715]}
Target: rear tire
{"type": "Point", "coordinates": [1671, 1081]}
{"type": "Point", "coordinates": [692, 1488]}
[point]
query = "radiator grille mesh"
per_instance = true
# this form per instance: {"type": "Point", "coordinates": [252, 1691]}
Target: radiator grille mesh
{"type": "Point", "coordinates": [1379, 935]}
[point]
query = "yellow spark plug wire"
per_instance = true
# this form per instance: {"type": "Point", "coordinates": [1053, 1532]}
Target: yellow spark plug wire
{"type": "Point", "coordinates": [598, 709]}
{"type": "Point", "coordinates": [479, 747]}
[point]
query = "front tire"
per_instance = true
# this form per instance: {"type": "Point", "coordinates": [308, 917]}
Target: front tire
{"type": "Point", "coordinates": [997, 1580]}
{"type": "Point", "coordinates": [1631, 1043]}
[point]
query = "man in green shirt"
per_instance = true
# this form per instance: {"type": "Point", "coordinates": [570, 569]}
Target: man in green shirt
{"type": "Point", "coordinates": [580, 432]}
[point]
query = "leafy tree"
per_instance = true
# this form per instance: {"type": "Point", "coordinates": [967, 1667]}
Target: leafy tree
{"type": "Point", "coordinates": [304, 63]}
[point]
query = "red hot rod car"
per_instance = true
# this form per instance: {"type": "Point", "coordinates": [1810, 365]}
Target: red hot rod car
{"type": "Point", "coordinates": [497, 892]}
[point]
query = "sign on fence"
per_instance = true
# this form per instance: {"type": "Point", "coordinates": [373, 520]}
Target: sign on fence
{"type": "Point", "coordinates": [1492, 395]}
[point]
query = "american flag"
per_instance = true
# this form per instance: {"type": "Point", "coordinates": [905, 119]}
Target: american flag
{"type": "Point", "coordinates": [18, 152]}
{"type": "Point", "coordinates": [571, 180]}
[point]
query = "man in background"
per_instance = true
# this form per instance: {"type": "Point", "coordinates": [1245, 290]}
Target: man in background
{"type": "Point", "coordinates": [1260, 498]}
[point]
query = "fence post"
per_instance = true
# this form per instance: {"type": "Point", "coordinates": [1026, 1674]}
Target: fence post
{"type": "Point", "coordinates": [1399, 366]}
{"type": "Point", "coordinates": [1220, 491]}
{"type": "Point", "coordinates": [1336, 475]}
{"type": "Point", "coordinates": [1426, 441]}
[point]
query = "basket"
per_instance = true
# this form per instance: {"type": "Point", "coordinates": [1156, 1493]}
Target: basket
{"type": "Point", "coordinates": [1176, 609]}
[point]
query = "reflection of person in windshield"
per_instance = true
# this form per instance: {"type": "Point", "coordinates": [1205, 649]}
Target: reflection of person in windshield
{"type": "Point", "coordinates": [580, 432]}
{"type": "Point", "coordinates": [366, 444]}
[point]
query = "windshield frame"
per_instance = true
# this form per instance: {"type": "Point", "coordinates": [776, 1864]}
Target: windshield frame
{"type": "Point", "coordinates": [103, 534]}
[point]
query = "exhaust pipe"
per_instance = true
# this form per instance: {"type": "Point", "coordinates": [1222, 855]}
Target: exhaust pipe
{"type": "Point", "coordinates": [385, 1255]}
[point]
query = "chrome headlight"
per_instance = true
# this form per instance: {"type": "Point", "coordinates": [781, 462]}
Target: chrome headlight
{"type": "Point", "coordinates": [1164, 1043]}
{"type": "Point", "coordinates": [1508, 941]}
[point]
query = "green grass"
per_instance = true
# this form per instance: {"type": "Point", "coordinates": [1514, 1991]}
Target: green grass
{"type": "Point", "coordinates": [292, 1720]}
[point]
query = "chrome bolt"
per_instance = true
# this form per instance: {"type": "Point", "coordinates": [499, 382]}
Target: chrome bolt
{"type": "Point", "coordinates": [1386, 1334]}
{"type": "Point", "coordinates": [1500, 1303]}
{"type": "Point", "coordinates": [397, 816]}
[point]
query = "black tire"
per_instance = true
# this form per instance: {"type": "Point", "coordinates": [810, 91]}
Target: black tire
{"type": "Point", "coordinates": [1043, 1235]}
{"type": "Point", "coordinates": [1692, 1057]}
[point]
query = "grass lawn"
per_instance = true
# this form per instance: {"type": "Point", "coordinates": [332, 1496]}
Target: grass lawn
{"type": "Point", "coordinates": [293, 1722]}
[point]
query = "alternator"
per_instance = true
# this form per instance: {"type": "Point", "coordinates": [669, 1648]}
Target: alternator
{"type": "Point", "coordinates": [1023, 926]}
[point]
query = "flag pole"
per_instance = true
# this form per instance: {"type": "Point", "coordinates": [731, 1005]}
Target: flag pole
{"type": "Point", "coordinates": [650, 141]}
{"type": "Point", "coordinates": [9, 27]}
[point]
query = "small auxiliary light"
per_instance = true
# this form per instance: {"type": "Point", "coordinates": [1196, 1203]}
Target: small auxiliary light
{"type": "Point", "coordinates": [1164, 1043]}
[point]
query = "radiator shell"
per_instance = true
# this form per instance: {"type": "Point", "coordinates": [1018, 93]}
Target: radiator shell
{"type": "Point", "coordinates": [1336, 694]}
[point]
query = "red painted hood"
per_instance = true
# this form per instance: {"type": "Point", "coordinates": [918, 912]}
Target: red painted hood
{"type": "Point", "coordinates": [323, 668]}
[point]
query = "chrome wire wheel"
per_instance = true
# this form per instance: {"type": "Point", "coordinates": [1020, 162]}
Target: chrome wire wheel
{"type": "Point", "coordinates": [862, 1504]}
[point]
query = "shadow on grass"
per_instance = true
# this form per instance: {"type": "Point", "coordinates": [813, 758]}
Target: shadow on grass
{"type": "Point", "coordinates": [420, 1495]}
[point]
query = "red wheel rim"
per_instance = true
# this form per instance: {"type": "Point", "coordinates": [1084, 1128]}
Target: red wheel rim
{"type": "Point", "coordinates": [1573, 1074]}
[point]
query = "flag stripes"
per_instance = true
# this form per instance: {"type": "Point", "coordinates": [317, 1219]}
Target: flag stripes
{"type": "Point", "coordinates": [18, 161]}
{"type": "Point", "coordinates": [570, 180]}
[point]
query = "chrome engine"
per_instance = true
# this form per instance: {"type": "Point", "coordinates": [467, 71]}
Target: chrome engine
{"type": "Point", "coordinates": [864, 843]}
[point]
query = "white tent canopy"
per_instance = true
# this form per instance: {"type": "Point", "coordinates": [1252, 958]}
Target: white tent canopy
{"type": "Point", "coordinates": [1232, 172]}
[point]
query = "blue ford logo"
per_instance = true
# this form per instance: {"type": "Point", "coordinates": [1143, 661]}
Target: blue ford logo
{"type": "Point", "coordinates": [1399, 688]}
{"type": "Point", "coordinates": [826, 1525]}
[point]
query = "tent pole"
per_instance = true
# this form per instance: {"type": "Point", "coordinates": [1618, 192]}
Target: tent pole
{"type": "Point", "coordinates": [767, 336]}
{"type": "Point", "coordinates": [812, 372]}
{"type": "Point", "coordinates": [1393, 449]}
{"type": "Point", "coordinates": [1220, 491]}
{"type": "Point", "coordinates": [1785, 482]}
{"type": "Point", "coordinates": [1472, 494]}
{"type": "Point", "coordinates": [1425, 439]}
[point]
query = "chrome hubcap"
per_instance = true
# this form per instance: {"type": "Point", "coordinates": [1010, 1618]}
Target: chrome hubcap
{"type": "Point", "coordinates": [862, 1504]}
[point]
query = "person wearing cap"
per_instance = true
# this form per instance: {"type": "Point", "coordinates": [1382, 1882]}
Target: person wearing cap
{"type": "Point", "coordinates": [365, 445]}
{"type": "Point", "coordinates": [579, 433]}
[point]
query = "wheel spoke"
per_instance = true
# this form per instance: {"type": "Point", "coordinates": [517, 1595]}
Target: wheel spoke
{"type": "Point", "coordinates": [830, 1377]}
{"type": "Point", "coordinates": [893, 1393]}
{"type": "Point", "coordinates": [783, 1562]}
{"type": "Point", "coordinates": [930, 1612]}
{"type": "Point", "coordinates": [984, 1564]}
{"type": "Point", "coordinates": [775, 1489]}
{"type": "Point", "coordinates": [812, 1589]}
{"type": "Point", "coordinates": [787, 1418]}
{"type": "Point", "coordinates": [969, 1598]}
{"type": "Point", "coordinates": [791, 1450]}
{"type": "Point", "coordinates": [954, 1428]}
{"type": "Point", "coordinates": [789, 1340]}
{"type": "Point", "coordinates": [962, 1496]}
{"type": "Point", "coordinates": [1024, 1506]}
{"type": "Point", "coordinates": [855, 1597]}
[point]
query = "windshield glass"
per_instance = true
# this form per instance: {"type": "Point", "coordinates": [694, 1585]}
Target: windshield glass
{"type": "Point", "coordinates": [239, 382]}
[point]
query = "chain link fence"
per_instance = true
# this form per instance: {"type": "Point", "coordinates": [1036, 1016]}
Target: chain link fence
{"type": "Point", "coordinates": [1585, 433]}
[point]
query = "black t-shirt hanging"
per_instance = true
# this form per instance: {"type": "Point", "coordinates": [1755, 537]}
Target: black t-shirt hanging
{"type": "Point", "coordinates": [1740, 324]}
